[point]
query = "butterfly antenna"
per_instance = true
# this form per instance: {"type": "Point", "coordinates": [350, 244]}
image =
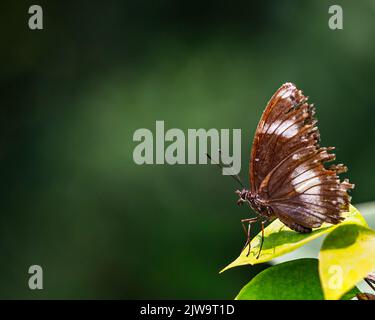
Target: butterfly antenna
{"type": "Point", "coordinates": [234, 176]}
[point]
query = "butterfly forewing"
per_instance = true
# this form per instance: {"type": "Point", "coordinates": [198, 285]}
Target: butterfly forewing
{"type": "Point", "coordinates": [278, 132]}
{"type": "Point", "coordinates": [287, 167]}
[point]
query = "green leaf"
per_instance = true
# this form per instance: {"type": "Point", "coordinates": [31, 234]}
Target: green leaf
{"type": "Point", "coordinates": [279, 240]}
{"type": "Point", "coordinates": [346, 257]}
{"type": "Point", "coordinates": [291, 280]}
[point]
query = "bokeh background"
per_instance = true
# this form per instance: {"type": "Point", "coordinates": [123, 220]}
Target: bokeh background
{"type": "Point", "coordinates": [72, 95]}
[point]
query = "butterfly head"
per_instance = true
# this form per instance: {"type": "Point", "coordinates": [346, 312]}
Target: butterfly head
{"type": "Point", "coordinates": [244, 196]}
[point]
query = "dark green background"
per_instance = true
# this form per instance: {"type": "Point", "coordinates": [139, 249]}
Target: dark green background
{"type": "Point", "coordinates": [72, 95]}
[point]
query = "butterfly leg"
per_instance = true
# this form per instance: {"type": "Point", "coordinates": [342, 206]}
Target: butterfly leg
{"type": "Point", "coordinates": [247, 231]}
{"type": "Point", "coordinates": [262, 240]}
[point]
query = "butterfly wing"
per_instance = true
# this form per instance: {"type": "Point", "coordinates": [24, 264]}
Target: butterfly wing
{"type": "Point", "coordinates": [275, 136]}
{"type": "Point", "coordinates": [287, 168]}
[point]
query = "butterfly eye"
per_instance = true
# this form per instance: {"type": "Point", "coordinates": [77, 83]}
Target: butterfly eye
{"type": "Point", "coordinates": [244, 194]}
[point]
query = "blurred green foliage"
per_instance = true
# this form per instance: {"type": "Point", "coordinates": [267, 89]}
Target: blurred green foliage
{"type": "Point", "coordinates": [72, 95]}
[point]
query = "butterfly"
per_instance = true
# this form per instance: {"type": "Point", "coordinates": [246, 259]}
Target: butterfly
{"type": "Point", "coordinates": [289, 179]}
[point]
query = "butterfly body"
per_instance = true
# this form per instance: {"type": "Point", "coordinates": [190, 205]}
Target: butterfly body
{"type": "Point", "coordinates": [288, 176]}
{"type": "Point", "coordinates": [258, 205]}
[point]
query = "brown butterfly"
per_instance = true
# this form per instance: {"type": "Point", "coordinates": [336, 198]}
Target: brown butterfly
{"type": "Point", "coordinates": [288, 177]}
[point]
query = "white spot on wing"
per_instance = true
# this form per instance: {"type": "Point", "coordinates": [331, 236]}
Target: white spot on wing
{"type": "Point", "coordinates": [311, 198]}
{"type": "Point", "coordinates": [291, 131]}
{"type": "Point", "coordinates": [286, 92]}
{"type": "Point", "coordinates": [308, 185]}
{"type": "Point", "coordinates": [302, 176]}
{"type": "Point", "coordinates": [286, 128]}
{"type": "Point", "coordinates": [313, 190]}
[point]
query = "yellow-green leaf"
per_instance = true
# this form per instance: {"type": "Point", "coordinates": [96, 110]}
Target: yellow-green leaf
{"type": "Point", "coordinates": [346, 257]}
{"type": "Point", "coordinates": [279, 240]}
{"type": "Point", "coordinates": [291, 280]}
